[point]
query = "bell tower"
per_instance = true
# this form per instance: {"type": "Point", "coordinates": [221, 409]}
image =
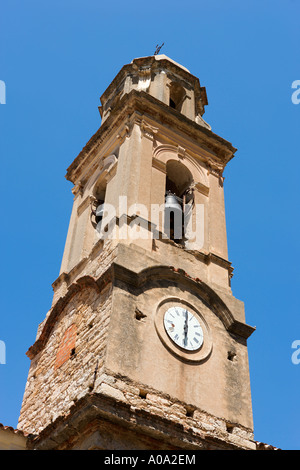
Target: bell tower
{"type": "Point", "coordinates": [144, 346]}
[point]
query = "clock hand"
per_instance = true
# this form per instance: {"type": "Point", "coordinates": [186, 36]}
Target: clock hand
{"type": "Point", "coordinates": [185, 328]}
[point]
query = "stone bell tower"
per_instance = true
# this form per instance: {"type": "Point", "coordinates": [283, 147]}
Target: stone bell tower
{"type": "Point", "coordinates": [144, 346]}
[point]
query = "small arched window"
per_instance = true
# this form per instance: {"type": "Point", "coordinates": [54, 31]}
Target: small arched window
{"type": "Point", "coordinates": [178, 183]}
{"type": "Point", "coordinates": [177, 96]}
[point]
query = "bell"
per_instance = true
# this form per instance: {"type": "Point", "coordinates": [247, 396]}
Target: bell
{"type": "Point", "coordinates": [100, 211]}
{"type": "Point", "coordinates": [172, 203]}
{"type": "Point", "coordinates": [173, 216]}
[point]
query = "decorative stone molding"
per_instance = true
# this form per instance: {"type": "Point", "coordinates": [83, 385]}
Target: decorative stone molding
{"type": "Point", "coordinates": [124, 133]}
{"type": "Point", "coordinates": [88, 201]}
{"type": "Point", "coordinates": [109, 166]}
{"type": "Point", "coordinates": [147, 130]}
{"type": "Point", "coordinates": [202, 188]}
{"type": "Point", "coordinates": [179, 276]}
{"type": "Point", "coordinates": [161, 152]}
{"type": "Point", "coordinates": [144, 79]}
{"type": "Point", "coordinates": [181, 152]}
{"type": "Point", "coordinates": [77, 190]}
{"type": "Point", "coordinates": [199, 120]}
{"type": "Point", "coordinates": [139, 103]}
{"type": "Point", "coordinates": [159, 165]}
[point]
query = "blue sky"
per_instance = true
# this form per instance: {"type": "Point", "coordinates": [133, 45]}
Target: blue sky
{"type": "Point", "coordinates": [56, 59]}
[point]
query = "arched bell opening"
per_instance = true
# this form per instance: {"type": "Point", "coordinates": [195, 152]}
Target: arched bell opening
{"type": "Point", "coordinates": [98, 204]}
{"type": "Point", "coordinates": [177, 96]}
{"type": "Point", "coordinates": [177, 194]}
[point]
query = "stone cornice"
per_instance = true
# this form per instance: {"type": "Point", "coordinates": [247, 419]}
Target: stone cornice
{"type": "Point", "coordinates": [134, 107]}
{"type": "Point", "coordinates": [206, 293]}
{"type": "Point", "coordinates": [110, 407]}
{"type": "Point", "coordinates": [119, 272]}
{"type": "Point", "coordinates": [152, 63]}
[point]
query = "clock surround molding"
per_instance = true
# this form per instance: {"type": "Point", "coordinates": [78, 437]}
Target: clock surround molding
{"type": "Point", "coordinates": [196, 356]}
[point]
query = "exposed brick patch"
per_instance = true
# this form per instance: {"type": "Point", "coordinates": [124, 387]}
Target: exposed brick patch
{"type": "Point", "coordinates": [59, 385]}
{"type": "Point", "coordinates": [74, 289]}
{"type": "Point", "coordinates": [67, 346]}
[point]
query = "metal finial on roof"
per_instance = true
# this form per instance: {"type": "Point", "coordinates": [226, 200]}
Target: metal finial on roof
{"type": "Point", "coordinates": [158, 48]}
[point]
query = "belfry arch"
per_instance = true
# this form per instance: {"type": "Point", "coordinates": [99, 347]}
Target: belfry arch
{"type": "Point", "coordinates": [169, 153]}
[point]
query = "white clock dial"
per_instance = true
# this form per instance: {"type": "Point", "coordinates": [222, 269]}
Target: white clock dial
{"type": "Point", "coordinates": [183, 328]}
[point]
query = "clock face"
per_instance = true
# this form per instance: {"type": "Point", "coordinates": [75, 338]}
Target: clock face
{"type": "Point", "coordinates": [183, 328]}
